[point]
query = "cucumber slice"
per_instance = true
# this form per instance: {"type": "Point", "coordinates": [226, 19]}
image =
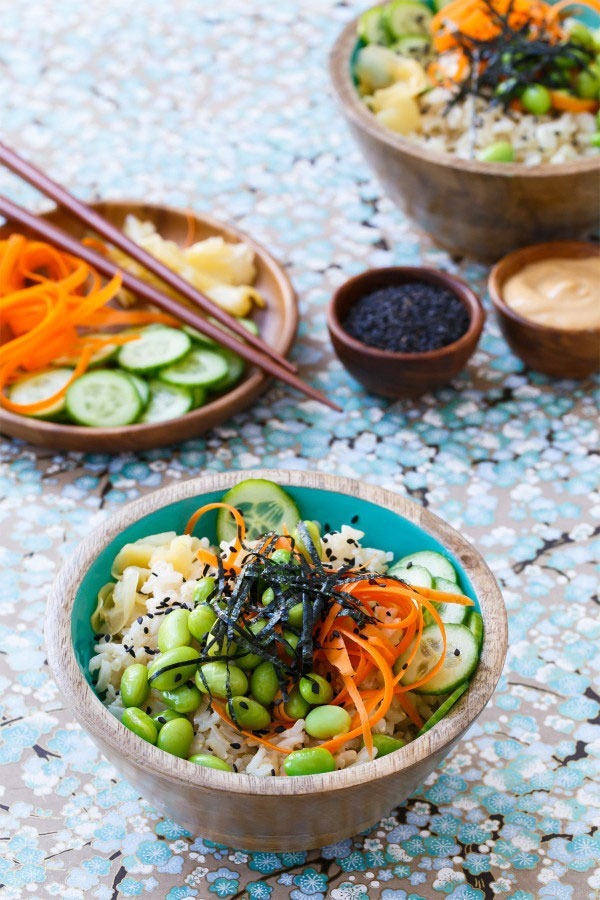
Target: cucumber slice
{"type": "Point", "coordinates": [436, 564]}
{"type": "Point", "coordinates": [103, 398]}
{"type": "Point", "coordinates": [264, 505]}
{"type": "Point", "coordinates": [462, 656]}
{"type": "Point", "coordinates": [141, 386]}
{"type": "Point", "coordinates": [371, 26]}
{"type": "Point", "coordinates": [404, 17]}
{"type": "Point", "coordinates": [198, 396]}
{"type": "Point", "coordinates": [156, 347]}
{"type": "Point", "coordinates": [451, 613]}
{"type": "Point", "coordinates": [166, 402]}
{"type": "Point", "coordinates": [205, 341]}
{"type": "Point", "coordinates": [474, 623]}
{"type": "Point", "coordinates": [39, 386]}
{"type": "Point", "coordinates": [101, 356]}
{"type": "Point", "coordinates": [235, 370]}
{"type": "Point", "coordinates": [414, 46]}
{"type": "Point", "coordinates": [417, 576]}
{"type": "Point", "coordinates": [199, 368]}
{"type": "Point", "coordinates": [442, 710]}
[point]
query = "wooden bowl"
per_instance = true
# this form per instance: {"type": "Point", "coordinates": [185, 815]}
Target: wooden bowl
{"type": "Point", "coordinates": [240, 810]}
{"type": "Point", "coordinates": [554, 351]}
{"type": "Point", "coordinates": [480, 209]}
{"type": "Point", "coordinates": [400, 375]}
{"type": "Point", "coordinates": [277, 323]}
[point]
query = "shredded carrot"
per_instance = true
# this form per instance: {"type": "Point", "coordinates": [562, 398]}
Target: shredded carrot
{"type": "Point", "coordinates": [50, 301]}
{"type": "Point", "coordinates": [569, 103]}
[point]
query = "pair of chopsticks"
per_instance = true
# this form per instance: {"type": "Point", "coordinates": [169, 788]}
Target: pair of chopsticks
{"type": "Point", "coordinates": [246, 345]}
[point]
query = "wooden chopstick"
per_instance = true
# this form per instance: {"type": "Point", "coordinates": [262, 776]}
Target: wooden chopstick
{"type": "Point", "coordinates": [60, 238]}
{"type": "Point", "coordinates": [111, 233]}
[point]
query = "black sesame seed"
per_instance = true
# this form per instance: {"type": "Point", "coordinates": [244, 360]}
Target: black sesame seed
{"type": "Point", "coordinates": [178, 676]}
{"type": "Point", "coordinates": [146, 630]}
{"type": "Point", "coordinates": [280, 729]}
{"type": "Point", "coordinates": [140, 619]}
{"type": "Point", "coordinates": [235, 746]}
{"type": "Point", "coordinates": [244, 705]}
{"type": "Point", "coordinates": [354, 520]}
{"type": "Point", "coordinates": [162, 720]}
{"type": "Point", "coordinates": [457, 652]}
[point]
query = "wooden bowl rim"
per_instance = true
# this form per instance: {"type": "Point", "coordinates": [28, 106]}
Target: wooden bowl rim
{"type": "Point", "coordinates": [339, 69]}
{"type": "Point", "coordinates": [509, 265]}
{"type": "Point", "coordinates": [455, 284]}
{"type": "Point", "coordinates": [219, 409]}
{"type": "Point", "coordinates": [96, 719]}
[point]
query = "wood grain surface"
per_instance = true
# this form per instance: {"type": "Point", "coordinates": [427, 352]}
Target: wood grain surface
{"type": "Point", "coordinates": [479, 209]}
{"type": "Point", "coordinates": [272, 813]}
{"type": "Point", "coordinates": [277, 323]}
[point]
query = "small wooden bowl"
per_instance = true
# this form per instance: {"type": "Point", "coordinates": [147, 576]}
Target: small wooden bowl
{"type": "Point", "coordinates": [555, 351]}
{"type": "Point", "coordinates": [277, 323]}
{"type": "Point", "coordinates": [480, 209]}
{"type": "Point", "coordinates": [400, 375]}
{"type": "Point", "coordinates": [240, 810]}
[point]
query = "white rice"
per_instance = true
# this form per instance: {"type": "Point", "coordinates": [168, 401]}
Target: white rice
{"type": "Point", "coordinates": [163, 588]}
{"type": "Point", "coordinates": [469, 126]}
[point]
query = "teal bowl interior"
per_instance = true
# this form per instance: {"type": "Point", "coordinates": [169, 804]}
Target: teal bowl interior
{"type": "Point", "coordinates": [383, 529]}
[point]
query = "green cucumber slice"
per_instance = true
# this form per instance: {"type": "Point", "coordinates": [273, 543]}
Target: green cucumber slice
{"type": "Point", "coordinates": [103, 398]}
{"type": "Point", "coordinates": [371, 26]}
{"type": "Point", "coordinates": [462, 656]}
{"type": "Point", "coordinates": [156, 347]}
{"type": "Point", "coordinates": [198, 368]}
{"type": "Point", "coordinates": [198, 396]}
{"type": "Point", "coordinates": [264, 505]}
{"type": "Point", "coordinates": [417, 576]}
{"type": "Point", "coordinates": [443, 710]}
{"type": "Point", "coordinates": [39, 386]}
{"type": "Point", "coordinates": [141, 386]}
{"type": "Point", "coordinates": [404, 17]}
{"type": "Point", "coordinates": [235, 370]}
{"type": "Point", "coordinates": [98, 358]}
{"type": "Point", "coordinates": [453, 613]}
{"type": "Point", "coordinates": [414, 46]}
{"type": "Point", "coordinates": [474, 623]}
{"type": "Point", "coordinates": [436, 564]}
{"type": "Point", "coordinates": [166, 402]}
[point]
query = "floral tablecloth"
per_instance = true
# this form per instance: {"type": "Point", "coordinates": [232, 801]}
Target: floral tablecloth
{"type": "Point", "coordinates": [226, 108]}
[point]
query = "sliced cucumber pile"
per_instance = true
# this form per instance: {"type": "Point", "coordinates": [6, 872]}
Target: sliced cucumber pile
{"type": "Point", "coordinates": [162, 375]}
{"type": "Point", "coordinates": [402, 25]}
{"type": "Point", "coordinates": [430, 569]}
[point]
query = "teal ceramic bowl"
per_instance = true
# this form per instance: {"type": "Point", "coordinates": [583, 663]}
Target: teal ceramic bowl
{"type": "Point", "coordinates": [243, 810]}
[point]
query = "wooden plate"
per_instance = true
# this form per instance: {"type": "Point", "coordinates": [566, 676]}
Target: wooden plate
{"type": "Point", "coordinates": [277, 323]}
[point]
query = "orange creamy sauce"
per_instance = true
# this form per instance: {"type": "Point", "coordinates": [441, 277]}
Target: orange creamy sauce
{"type": "Point", "coordinates": [560, 293]}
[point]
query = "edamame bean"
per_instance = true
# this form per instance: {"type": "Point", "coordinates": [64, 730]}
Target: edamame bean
{"type": "Point", "coordinates": [536, 99]}
{"type": "Point", "coordinates": [386, 744]}
{"type": "Point", "coordinates": [264, 684]}
{"type": "Point", "coordinates": [140, 723]}
{"type": "Point", "coordinates": [167, 715]}
{"type": "Point", "coordinates": [174, 631]}
{"type": "Point", "coordinates": [215, 677]}
{"type": "Point", "coordinates": [327, 721]}
{"type": "Point", "coordinates": [281, 557]}
{"type": "Point", "coordinates": [219, 646]}
{"type": "Point", "coordinates": [210, 761]}
{"type": "Point", "coordinates": [291, 641]}
{"type": "Point", "coordinates": [247, 713]}
{"type": "Point", "coordinates": [296, 707]}
{"type": "Point", "coordinates": [587, 85]}
{"type": "Point", "coordinates": [176, 737]}
{"type": "Point", "coordinates": [184, 699]}
{"type": "Point", "coordinates": [134, 685]}
{"type": "Point", "coordinates": [314, 538]}
{"type": "Point", "coordinates": [579, 33]}
{"type": "Point", "coordinates": [173, 668]}
{"type": "Point", "coordinates": [309, 761]}
{"type": "Point", "coordinates": [201, 620]}
{"type": "Point", "coordinates": [500, 151]}
{"type": "Point", "coordinates": [595, 139]}
{"type": "Point", "coordinates": [204, 589]}
{"type": "Point", "coordinates": [296, 615]}
{"type": "Point", "coordinates": [315, 689]}
{"type": "Point", "coordinates": [268, 596]}
{"type": "Point", "coordinates": [251, 660]}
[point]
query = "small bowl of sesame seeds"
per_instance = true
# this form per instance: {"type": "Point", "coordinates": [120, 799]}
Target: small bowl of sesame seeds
{"type": "Point", "coordinates": [404, 330]}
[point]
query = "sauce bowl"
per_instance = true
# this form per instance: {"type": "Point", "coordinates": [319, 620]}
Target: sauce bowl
{"type": "Point", "coordinates": [402, 375]}
{"type": "Point", "coordinates": [563, 353]}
